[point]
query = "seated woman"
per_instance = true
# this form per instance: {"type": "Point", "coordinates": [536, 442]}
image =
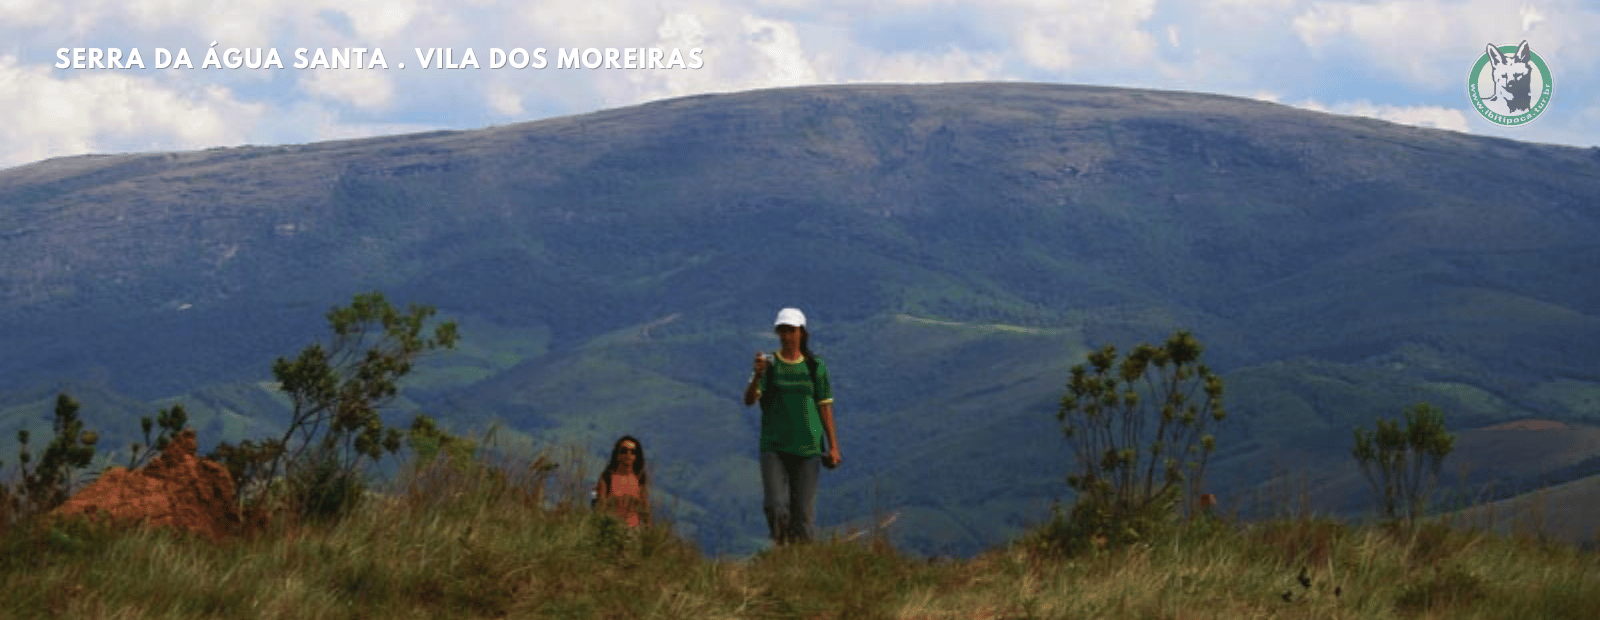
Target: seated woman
{"type": "Point", "coordinates": [624, 487]}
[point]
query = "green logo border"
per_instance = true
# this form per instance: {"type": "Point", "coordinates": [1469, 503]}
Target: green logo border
{"type": "Point", "coordinates": [1521, 119]}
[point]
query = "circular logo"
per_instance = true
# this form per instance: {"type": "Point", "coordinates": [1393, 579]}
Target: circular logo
{"type": "Point", "coordinates": [1510, 85]}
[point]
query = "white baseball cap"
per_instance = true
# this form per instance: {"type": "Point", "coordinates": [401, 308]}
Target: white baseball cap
{"type": "Point", "coordinates": [791, 316]}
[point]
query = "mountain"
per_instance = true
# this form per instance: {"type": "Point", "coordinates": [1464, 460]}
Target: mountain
{"type": "Point", "coordinates": [957, 247]}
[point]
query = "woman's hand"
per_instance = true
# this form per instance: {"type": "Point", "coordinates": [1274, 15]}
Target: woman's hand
{"type": "Point", "coordinates": [832, 459]}
{"type": "Point", "coordinates": [752, 389]}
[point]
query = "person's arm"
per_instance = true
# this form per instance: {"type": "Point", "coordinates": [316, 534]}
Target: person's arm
{"type": "Point", "coordinates": [824, 388]}
{"type": "Point", "coordinates": [752, 392]}
{"type": "Point", "coordinates": [825, 411]}
{"type": "Point", "coordinates": [644, 504]}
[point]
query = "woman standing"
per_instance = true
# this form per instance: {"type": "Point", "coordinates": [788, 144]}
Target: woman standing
{"type": "Point", "coordinates": [796, 417]}
{"type": "Point", "coordinates": [624, 487]}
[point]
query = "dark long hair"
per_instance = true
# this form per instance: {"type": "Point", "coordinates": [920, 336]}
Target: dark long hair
{"type": "Point", "coordinates": [638, 462]}
{"type": "Point", "coordinates": [805, 353]}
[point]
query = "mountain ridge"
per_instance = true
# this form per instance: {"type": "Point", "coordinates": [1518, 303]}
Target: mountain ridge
{"type": "Point", "coordinates": [1336, 268]}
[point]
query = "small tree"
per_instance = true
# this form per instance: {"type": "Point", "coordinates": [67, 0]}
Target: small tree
{"type": "Point", "coordinates": [336, 393]}
{"type": "Point", "coordinates": [1130, 477]}
{"type": "Point", "coordinates": [247, 463]}
{"type": "Point", "coordinates": [1402, 464]}
{"type": "Point", "coordinates": [171, 422]}
{"type": "Point", "coordinates": [427, 441]}
{"type": "Point", "coordinates": [48, 483]}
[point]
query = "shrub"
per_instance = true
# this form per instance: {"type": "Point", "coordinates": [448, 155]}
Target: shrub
{"type": "Point", "coordinates": [336, 393]}
{"type": "Point", "coordinates": [1130, 478]}
{"type": "Point", "coordinates": [1401, 463]}
{"type": "Point", "coordinates": [48, 484]}
{"type": "Point", "coordinates": [170, 421]}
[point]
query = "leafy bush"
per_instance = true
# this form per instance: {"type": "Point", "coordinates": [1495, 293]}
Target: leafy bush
{"type": "Point", "coordinates": [1130, 478]}
{"type": "Point", "coordinates": [48, 484]}
{"type": "Point", "coordinates": [427, 441]}
{"type": "Point", "coordinates": [336, 394]}
{"type": "Point", "coordinates": [170, 421]}
{"type": "Point", "coordinates": [1401, 463]}
{"type": "Point", "coordinates": [247, 463]}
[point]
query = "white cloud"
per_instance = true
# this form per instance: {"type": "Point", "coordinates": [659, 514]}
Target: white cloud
{"type": "Point", "coordinates": [46, 116]}
{"type": "Point", "coordinates": [784, 57]}
{"type": "Point", "coordinates": [1421, 41]}
{"type": "Point", "coordinates": [233, 24]}
{"type": "Point", "coordinates": [681, 30]}
{"type": "Point", "coordinates": [1377, 51]}
{"type": "Point", "coordinates": [596, 23]}
{"type": "Point", "coordinates": [504, 99]}
{"type": "Point", "coordinates": [1064, 36]}
{"type": "Point", "coordinates": [378, 19]}
{"type": "Point", "coordinates": [1053, 35]}
{"type": "Point", "coordinates": [1578, 126]}
{"type": "Point", "coordinates": [953, 66]}
{"type": "Point", "coordinates": [740, 52]}
{"type": "Point", "coordinates": [314, 122]}
{"type": "Point", "coordinates": [230, 24]}
{"type": "Point", "coordinates": [28, 12]}
{"type": "Point", "coordinates": [1437, 117]}
{"type": "Point", "coordinates": [1250, 4]}
{"type": "Point", "coordinates": [1530, 17]}
{"type": "Point", "coordinates": [1432, 43]}
{"type": "Point", "coordinates": [368, 89]}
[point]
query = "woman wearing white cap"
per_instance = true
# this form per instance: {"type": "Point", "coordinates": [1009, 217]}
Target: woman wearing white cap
{"type": "Point", "coordinates": [796, 417]}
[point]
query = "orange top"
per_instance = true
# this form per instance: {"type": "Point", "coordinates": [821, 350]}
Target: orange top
{"type": "Point", "coordinates": [625, 485]}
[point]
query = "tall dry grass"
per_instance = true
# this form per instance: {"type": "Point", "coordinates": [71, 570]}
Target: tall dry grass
{"type": "Point", "coordinates": [505, 538]}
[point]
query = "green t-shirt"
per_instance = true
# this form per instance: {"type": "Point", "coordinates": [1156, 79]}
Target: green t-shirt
{"type": "Point", "coordinates": [789, 419]}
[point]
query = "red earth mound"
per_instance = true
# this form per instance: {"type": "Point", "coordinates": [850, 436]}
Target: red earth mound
{"type": "Point", "coordinates": [178, 489]}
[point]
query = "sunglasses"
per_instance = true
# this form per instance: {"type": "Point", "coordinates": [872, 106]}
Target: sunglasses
{"type": "Point", "coordinates": [627, 451]}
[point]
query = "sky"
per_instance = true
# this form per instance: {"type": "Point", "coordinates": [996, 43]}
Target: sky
{"type": "Point", "coordinates": [1405, 61]}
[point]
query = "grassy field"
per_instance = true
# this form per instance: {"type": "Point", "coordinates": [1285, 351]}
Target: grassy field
{"type": "Point", "coordinates": [449, 544]}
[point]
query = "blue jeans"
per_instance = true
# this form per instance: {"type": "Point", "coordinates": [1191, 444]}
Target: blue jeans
{"type": "Point", "coordinates": [790, 485]}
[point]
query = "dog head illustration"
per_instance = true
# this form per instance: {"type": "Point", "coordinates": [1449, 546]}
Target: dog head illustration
{"type": "Point", "coordinates": [1511, 74]}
